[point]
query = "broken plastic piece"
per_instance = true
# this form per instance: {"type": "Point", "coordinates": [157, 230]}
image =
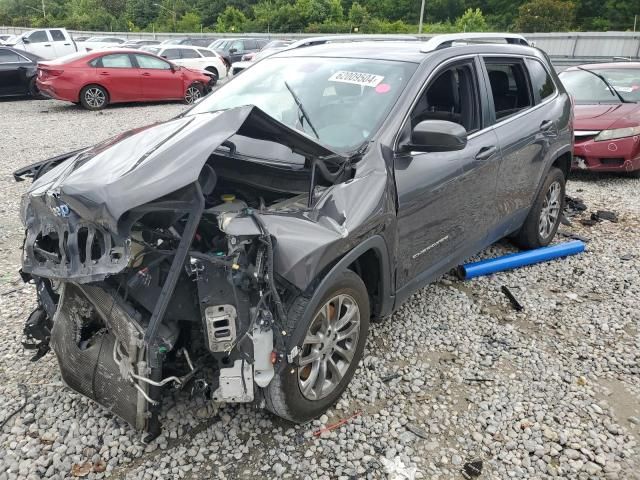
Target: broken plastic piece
{"type": "Point", "coordinates": [606, 215]}
{"type": "Point", "coordinates": [396, 470]}
{"type": "Point", "coordinates": [514, 301]}
{"type": "Point", "coordinates": [515, 260]}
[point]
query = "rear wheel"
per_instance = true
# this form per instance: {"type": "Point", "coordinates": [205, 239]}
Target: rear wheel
{"type": "Point", "coordinates": [192, 94]}
{"type": "Point", "coordinates": [544, 217]}
{"type": "Point", "coordinates": [94, 97]}
{"type": "Point", "coordinates": [333, 343]}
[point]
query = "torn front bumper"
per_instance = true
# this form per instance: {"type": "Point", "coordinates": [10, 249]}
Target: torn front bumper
{"type": "Point", "coordinates": [87, 327]}
{"type": "Point", "coordinates": [61, 245]}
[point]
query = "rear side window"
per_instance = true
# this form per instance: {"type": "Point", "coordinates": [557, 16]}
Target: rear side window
{"type": "Point", "coordinates": [188, 53]}
{"type": "Point", "coordinates": [116, 61]}
{"type": "Point", "coordinates": [57, 35]}
{"type": "Point", "coordinates": [39, 36]}
{"type": "Point", "coordinates": [171, 54]}
{"type": "Point", "coordinates": [509, 86]}
{"type": "Point", "coordinates": [7, 56]}
{"type": "Point", "coordinates": [541, 81]}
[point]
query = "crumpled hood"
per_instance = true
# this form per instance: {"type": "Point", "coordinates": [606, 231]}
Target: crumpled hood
{"type": "Point", "coordinates": [606, 116]}
{"type": "Point", "coordinates": [141, 165]}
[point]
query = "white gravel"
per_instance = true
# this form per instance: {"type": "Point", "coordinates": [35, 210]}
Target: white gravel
{"type": "Point", "coordinates": [552, 391]}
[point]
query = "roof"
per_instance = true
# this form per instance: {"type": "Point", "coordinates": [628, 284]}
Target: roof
{"type": "Point", "coordinates": [604, 66]}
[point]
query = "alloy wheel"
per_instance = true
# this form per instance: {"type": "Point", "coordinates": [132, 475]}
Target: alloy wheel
{"type": "Point", "coordinates": [192, 94]}
{"type": "Point", "coordinates": [329, 347]}
{"type": "Point", "coordinates": [550, 210]}
{"type": "Point", "coordinates": [95, 97]}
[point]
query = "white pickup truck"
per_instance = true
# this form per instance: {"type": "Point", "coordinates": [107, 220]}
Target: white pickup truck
{"type": "Point", "coordinates": [47, 43]}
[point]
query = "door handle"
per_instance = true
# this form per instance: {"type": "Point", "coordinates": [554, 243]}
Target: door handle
{"type": "Point", "coordinates": [48, 45]}
{"type": "Point", "coordinates": [104, 74]}
{"type": "Point", "coordinates": [67, 44]}
{"type": "Point", "coordinates": [546, 125]}
{"type": "Point", "coordinates": [146, 74]}
{"type": "Point", "coordinates": [486, 152]}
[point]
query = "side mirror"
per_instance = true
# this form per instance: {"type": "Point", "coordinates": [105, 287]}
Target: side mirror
{"type": "Point", "coordinates": [26, 40]}
{"type": "Point", "coordinates": [437, 136]}
{"type": "Point", "coordinates": [232, 51]}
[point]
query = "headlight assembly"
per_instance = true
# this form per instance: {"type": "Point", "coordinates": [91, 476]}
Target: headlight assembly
{"type": "Point", "coordinates": [617, 133]}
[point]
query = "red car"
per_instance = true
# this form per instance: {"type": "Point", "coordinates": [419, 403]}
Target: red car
{"type": "Point", "coordinates": [607, 116]}
{"type": "Point", "coordinates": [99, 78]}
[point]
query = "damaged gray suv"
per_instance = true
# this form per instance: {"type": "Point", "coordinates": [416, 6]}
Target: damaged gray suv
{"type": "Point", "coordinates": [241, 249]}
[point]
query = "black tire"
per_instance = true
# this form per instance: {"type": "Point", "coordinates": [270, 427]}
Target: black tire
{"type": "Point", "coordinates": [532, 234]}
{"type": "Point", "coordinates": [283, 396]}
{"type": "Point", "coordinates": [190, 95]}
{"type": "Point", "coordinates": [634, 174]}
{"type": "Point", "coordinates": [34, 91]}
{"type": "Point", "coordinates": [94, 97]}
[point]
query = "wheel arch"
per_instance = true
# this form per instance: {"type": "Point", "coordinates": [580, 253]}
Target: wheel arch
{"type": "Point", "coordinates": [372, 259]}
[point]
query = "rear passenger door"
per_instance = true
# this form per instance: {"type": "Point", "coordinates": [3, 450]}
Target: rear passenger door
{"type": "Point", "coordinates": [119, 76]}
{"type": "Point", "coordinates": [523, 131]}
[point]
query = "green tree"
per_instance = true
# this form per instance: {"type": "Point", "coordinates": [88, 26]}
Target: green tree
{"type": "Point", "coordinates": [231, 20]}
{"type": "Point", "coordinates": [545, 16]}
{"type": "Point", "coordinates": [472, 21]}
{"type": "Point", "coordinates": [141, 13]}
{"type": "Point", "coordinates": [358, 14]}
{"type": "Point", "coordinates": [189, 22]}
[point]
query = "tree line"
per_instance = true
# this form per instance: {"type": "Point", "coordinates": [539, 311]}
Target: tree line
{"type": "Point", "coordinates": [322, 16]}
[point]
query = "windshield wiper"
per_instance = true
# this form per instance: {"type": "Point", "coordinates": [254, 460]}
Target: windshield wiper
{"type": "Point", "coordinates": [601, 77]}
{"type": "Point", "coordinates": [303, 113]}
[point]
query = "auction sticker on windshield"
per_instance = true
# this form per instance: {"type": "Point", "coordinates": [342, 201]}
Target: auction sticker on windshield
{"type": "Point", "coordinates": [357, 78]}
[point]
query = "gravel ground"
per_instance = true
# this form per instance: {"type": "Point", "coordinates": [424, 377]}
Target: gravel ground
{"type": "Point", "coordinates": [455, 375]}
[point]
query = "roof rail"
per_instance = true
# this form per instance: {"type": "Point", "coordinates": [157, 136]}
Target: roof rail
{"type": "Point", "coordinates": [307, 42]}
{"type": "Point", "coordinates": [444, 41]}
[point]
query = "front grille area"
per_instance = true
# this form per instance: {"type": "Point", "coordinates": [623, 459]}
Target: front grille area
{"type": "Point", "coordinates": [60, 245]}
{"type": "Point", "coordinates": [84, 340]}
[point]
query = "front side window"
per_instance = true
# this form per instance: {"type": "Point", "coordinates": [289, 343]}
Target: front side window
{"type": "Point", "coordinates": [147, 61]}
{"type": "Point", "coordinates": [541, 81]}
{"type": "Point", "coordinates": [121, 60]}
{"type": "Point", "coordinates": [452, 96]}
{"type": "Point", "coordinates": [189, 53]}
{"type": "Point", "coordinates": [345, 100]}
{"type": "Point", "coordinates": [238, 46]}
{"type": "Point", "coordinates": [206, 53]}
{"type": "Point", "coordinates": [171, 54]}
{"type": "Point", "coordinates": [57, 35]}
{"type": "Point", "coordinates": [39, 36]}
{"type": "Point", "coordinates": [602, 85]}
{"type": "Point", "coordinates": [509, 86]}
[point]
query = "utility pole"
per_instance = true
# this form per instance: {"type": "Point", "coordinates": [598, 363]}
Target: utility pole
{"type": "Point", "coordinates": [421, 17]}
{"type": "Point", "coordinates": [44, 12]}
{"type": "Point", "coordinates": [635, 21]}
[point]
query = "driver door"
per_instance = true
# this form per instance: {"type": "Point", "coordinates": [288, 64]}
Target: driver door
{"type": "Point", "coordinates": [445, 199]}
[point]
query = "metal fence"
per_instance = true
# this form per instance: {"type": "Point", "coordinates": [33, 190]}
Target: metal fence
{"type": "Point", "coordinates": [568, 48]}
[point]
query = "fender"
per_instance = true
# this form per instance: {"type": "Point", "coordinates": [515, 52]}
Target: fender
{"type": "Point", "coordinates": [376, 243]}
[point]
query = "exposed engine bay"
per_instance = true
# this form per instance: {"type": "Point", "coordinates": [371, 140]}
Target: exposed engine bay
{"type": "Point", "coordinates": [182, 293]}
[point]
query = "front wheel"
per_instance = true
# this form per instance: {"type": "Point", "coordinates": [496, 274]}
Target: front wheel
{"type": "Point", "coordinates": [544, 217]}
{"type": "Point", "coordinates": [192, 94]}
{"type": "Point", "coordinates": [332, 346]}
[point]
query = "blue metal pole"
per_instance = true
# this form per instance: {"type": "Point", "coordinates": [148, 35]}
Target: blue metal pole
{"type": "Point", "coordinates": [515, 260]}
